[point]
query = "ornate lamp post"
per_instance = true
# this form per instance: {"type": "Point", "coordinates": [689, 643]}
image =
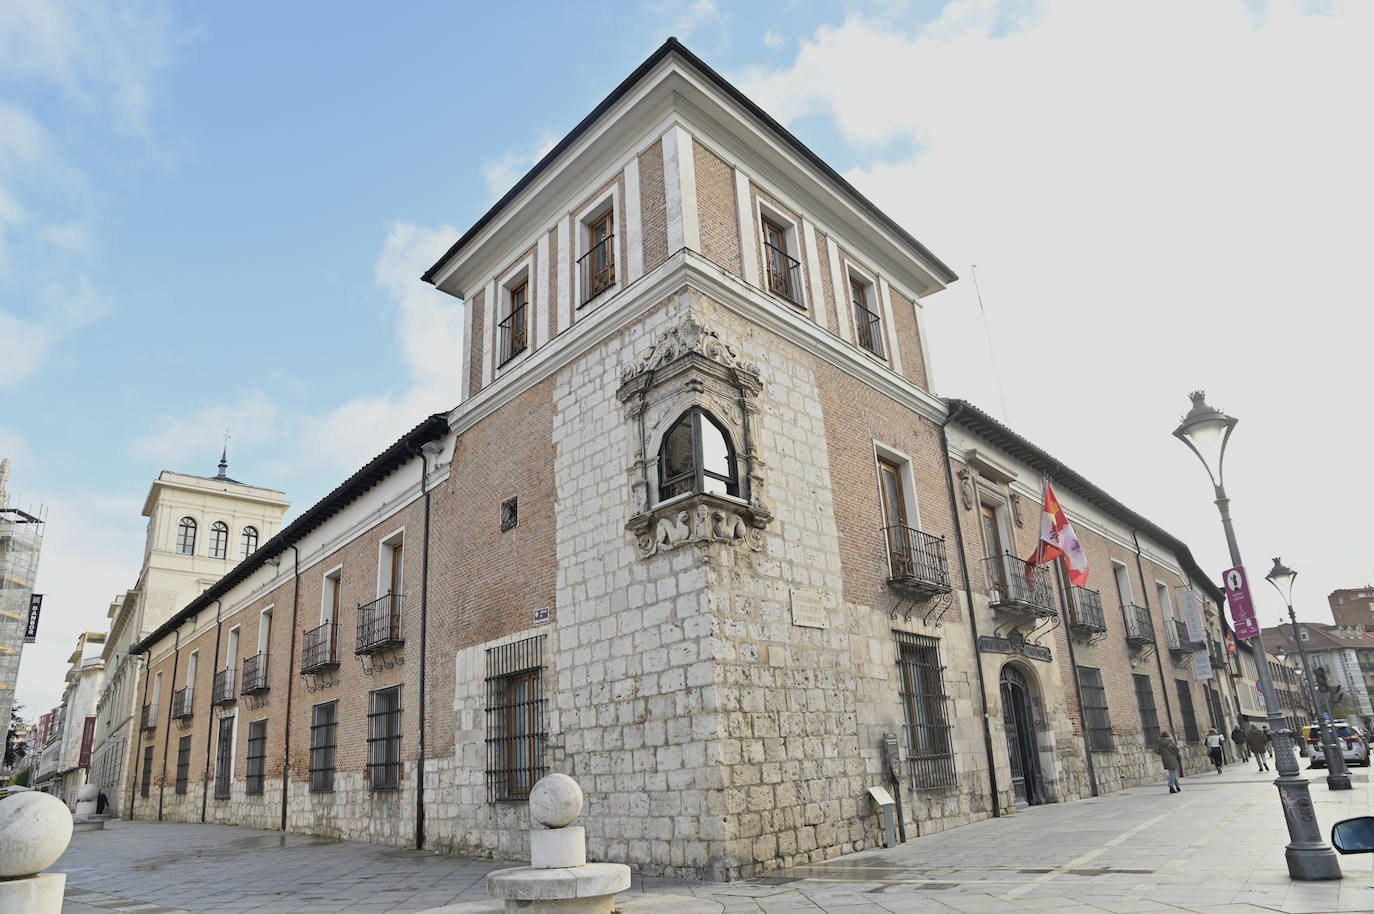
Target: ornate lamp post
{"type": "Point", "coordinates": [1337, 775]}
{"type": "Point", "coordinates": [1206, 431]}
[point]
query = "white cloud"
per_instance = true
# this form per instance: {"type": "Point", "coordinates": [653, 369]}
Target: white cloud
{"type": "Point", "coordinates": [689, 17]}
{"type": "Point", "coordinates": [1159, 197]}
{"type": "Point", "coordinates": [773, 39]}
{"type": "Point", "coordinates": [501, 174]}
{"type": "Point", "coordinates": [197, 438]}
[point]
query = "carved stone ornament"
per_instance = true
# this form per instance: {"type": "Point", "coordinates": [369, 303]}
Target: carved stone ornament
{"type": "Point", "coordinates": [966, 488]}
{"type": "Point", "coordinates": [691, 366]}
{"type": "Point", "coordinates": [1015, 498]}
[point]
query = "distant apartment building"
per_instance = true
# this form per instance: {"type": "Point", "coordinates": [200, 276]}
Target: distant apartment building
{"type": "Point", "coordinates": [1353, 608]}
{"type": "Point", "coordinates": [1343, 654]}
{"type": "Point", "coordinates": [68, 757]}
{"type": "Point", "coordinates": [21, 542]}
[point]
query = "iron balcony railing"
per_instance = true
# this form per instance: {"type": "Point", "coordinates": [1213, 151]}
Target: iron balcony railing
{"type": "Point", "coordinates": [1177, 632]}
{"type": "Point", "coordinates": [513, 333]}
{"type": "Point", "coordinates": [1086, 610]}
{"type": "Point", "coordinates": [317, 649]}
{"type": "Point", "coordinates": [1018, 585]}
{"type": "Point", "coordinates": [254, 674]}
{"type": "Point", "coordinates": [222, 692]}
{"type": "Point", "coordinates": [181, 703]}
{"type": "Point", "coordinates": [379, 624]}
{"type": "Point", "coordinates": [1140, 629]}
{"type": "Point", "coordinates": [917, 559]}
{"type": "Point", "coordinates": [784, 273]}
{"type": "Point", "coordinates": [597, 269]}
{"type": "Point", "coordinates": [870, 329]}
{"type": "Point", "coordinates": [148, 720]}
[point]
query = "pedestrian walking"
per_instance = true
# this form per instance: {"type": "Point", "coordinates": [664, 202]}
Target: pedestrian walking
{"type": "Point", "coordinates": [102, 803]}
{"type": "Point", "coordinates": [1258, 743]}
{"type": "Point", "coordinates": [1214, 741]}
{"type": "Point", "coordinates": [1238, 740]}
{"type": "Point", "coordinates": [1171, 758]}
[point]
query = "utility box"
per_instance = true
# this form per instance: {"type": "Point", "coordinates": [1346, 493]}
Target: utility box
{"type": "Point", "coordinates": [887, 809]}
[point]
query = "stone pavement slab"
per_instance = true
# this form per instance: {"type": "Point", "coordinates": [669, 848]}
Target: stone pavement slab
{"type": "Point", "coordinates": [1216, 847]}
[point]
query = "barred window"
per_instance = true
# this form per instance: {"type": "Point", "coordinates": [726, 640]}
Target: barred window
{"type": "Point", "coordinates": [384, 739]}
{"type": "Point", "coordinates": [147, 770]}
{"type": "Point", "coordinates": [927, 719]}
{"type": "Point", "coordinates": [323, 726]}
{"type": "Point", "coordinates": [257, 756]}
{"type": "Point", "coordinates": [515, 718]}
{"type": "Point", "coordinates": [1185, 707]}
{"type": "Point", "coordinates": [1097, 723]}
{"type": "Point", "coordinates": [224, 757]}
{"type": "Point", "coordinates": [1149, 716]}
{"type": "Point", "coordinates": [183, 763]}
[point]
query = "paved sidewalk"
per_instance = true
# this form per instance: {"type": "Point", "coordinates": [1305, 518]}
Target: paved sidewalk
{"type": "Point", "coordinates": [1215, 847]}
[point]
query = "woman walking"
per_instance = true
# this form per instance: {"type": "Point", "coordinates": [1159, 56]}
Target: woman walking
{"type": "Point", "coordinates": [1214, 741]}
{"type": "Point", "coordinates": [1169, 755]}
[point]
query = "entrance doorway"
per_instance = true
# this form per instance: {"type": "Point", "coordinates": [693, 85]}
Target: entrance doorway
{"type": "Point", "coordinates": [1022, 750]}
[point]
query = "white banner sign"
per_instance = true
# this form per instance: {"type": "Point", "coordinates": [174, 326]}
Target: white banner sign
{"type": "Point", "coordinates": [1197, 633]}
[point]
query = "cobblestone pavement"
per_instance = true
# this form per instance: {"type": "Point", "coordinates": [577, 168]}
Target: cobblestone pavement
{"type": "Point", "coordinates": [1215, 847]}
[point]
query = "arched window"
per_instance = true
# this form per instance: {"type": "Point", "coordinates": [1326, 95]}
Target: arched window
{"type": "Point", "coordinates": [696, 456]}
{"type": "Point", "coordinates": [219, 540]}
{"type": "Point", "coordinates": [186, 536]}
{"type": "Point", "coordinates": [250, 541]}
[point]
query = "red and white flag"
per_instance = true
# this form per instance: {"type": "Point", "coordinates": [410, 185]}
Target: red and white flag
{"type": "Point", "coordinates": [1057, 538]}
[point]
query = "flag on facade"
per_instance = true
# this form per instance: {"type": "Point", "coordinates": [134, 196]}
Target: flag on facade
{"type": "Point", "coordinates": [1230, 644]}
{"type": "Point", "coordinates": [1057, 538]}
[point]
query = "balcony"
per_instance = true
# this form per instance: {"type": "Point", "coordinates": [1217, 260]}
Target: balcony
{"type": "Point", "coordinates": [222, 692]}
{"type": "Point", "coordinates": [254, 674]}
{"type": "Point", "coordinates": [317, 650]}
{"type": "Point", "coordinates": [869, 328]}
{"type": "Point", "coordinates": [597, 269]}
{"type": "Point", "coordinates": [1177, 631]}
{"type": "Point", "coordinates": [148, 720]}
{"type": "Point", "coordinates": [1018, 586]}
{"type": "Point", "coordinates": [181, 703]}
{"type": "Point", "coordinates": [379, 624]}
{"type": "Point", "coordinates": [784, 273]}
{"type": "Point", "coordinates": [1140, 628]}
{"type": "Point", "coordinates": [917, 560]}
{"type": "Point", "coordinates": [1085, 612]}
{"type": "Point", "coordinates": [513, 333]}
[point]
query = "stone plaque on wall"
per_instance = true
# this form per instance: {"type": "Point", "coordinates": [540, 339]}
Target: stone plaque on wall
{"type": "Point", "coordinates": [808, 610]}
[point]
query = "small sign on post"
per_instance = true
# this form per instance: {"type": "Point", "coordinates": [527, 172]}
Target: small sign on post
{"type": "Point", "coordinates": [1238, 593]}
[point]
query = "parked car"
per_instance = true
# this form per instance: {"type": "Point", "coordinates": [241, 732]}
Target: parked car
{"type": "Point", "coordinates": [1353, 741]}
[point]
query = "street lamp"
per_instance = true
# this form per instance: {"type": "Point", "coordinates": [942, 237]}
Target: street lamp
{"type": "Point", "coordinates": [1206, 431]}
{"type": "Point", "coordinates": [1337, 775]}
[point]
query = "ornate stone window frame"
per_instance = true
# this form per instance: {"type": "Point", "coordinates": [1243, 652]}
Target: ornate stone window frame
{"type": "Point", "coordinates": [691, 366]}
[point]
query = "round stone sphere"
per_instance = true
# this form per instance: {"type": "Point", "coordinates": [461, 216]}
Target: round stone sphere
{"type": "Point", "coordinates": [88, 792]}
{"type": "Point", "coordinates": [555, 801]}
{"type": "Point", "coordinates": [35, 829]}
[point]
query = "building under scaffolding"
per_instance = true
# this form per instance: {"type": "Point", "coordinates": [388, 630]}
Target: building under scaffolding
{"type": "Point", "coordinates": [21, 539]}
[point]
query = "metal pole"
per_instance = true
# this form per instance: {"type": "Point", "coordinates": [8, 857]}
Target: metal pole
{"type": "Point", "coordinates": [1337, 775]}
{"type": "Point", "coordinates": [1308, 856]}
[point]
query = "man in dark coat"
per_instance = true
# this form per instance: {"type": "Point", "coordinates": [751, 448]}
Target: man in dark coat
{"type": "Point", "coordinates": [1238, 740]}
{"type": "Point", "coordinates": [1259, 744]}
{"type": "Point", "coordinates": [1171, 758]}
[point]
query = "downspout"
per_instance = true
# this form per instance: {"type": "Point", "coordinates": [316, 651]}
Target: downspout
{"type": "Point", "coordinates": [1159, 662]}
{"type": "Point", "coordinates": [167, 733]}
{"type": "Point", "coordinates": [290, 681]}
{"type": "Point", "coordinates": [1073, 670]}
{"type": "Point", "coordinates": [424, 619]}
{"type": "Point", "coordinates": [210, 730]}
{"type": "Point", "coordinates": [972, 616]}
{"type": "Point", "coordinates": [138, 743]}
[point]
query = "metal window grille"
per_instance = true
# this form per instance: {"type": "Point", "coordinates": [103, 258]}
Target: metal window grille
{"type": "Point", "coordinates": [1149, 716]}
{"type": "Point", "coordinates": [222, 690]}
{"type": "Point", "coordinates": [1214, 709]}
{"type": "Point", "coordinates": [181, 703]}
{"type": "Point", "coordinates": [317, 649]}
{"type": "Point", "coordinates": [384, 739]}
{"type": "Point", "coordinates": [1185, 705]}
{"type": "Point", "coordinates": [870, 329]}
{"type": "Point", "coordinates": [183, 763]}
{"type": "Point", "coordinates": [1097, 723]}
{"type": "Point", "coordinates": [323, 727]}
{"type": "Point", "coordinates": [257, 756]}
{"type": "Point", "coordinates": [917, 557]}
{"type": "Point", "coordinates": [224, 757]}
{"type": "Point", "coordinates": [512, 330]}
{"type": "Point", "coordinates": [784, 273]}
{"type": "Point", "coordinates": [928, 727]}
{"type": "Point", "coordinates": [255, 674]}
{"type": "Point", "coordinates": [597, 268]}
{"type": "Point", "coordinates": [516, 729]}
{"type": "Point", "coordinates": [379, 624]}
{"type": "Point", "coordinates": [147, 770]}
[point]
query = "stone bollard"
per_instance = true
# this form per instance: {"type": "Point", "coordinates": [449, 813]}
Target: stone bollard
{"type": "Point", "coordinates": [87, 802]}
{"type": "Point", "coordinates": [35, 829]}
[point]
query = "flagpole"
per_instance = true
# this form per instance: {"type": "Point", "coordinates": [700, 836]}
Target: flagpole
{"type": "Point", "coordinates": [1064, 595]}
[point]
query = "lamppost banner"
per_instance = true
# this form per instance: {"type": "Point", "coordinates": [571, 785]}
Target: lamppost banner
{"type": "Point", "coordinates": [1238, 594]}
{"type": "Point", "coordinates": [1197, 633]}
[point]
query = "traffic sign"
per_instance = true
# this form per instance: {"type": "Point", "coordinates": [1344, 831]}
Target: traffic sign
{"type": "Point", "coordinates": [1259, 685]}
{"type": "Point", "coordinates": [1247, 628]}
{"type": "Point", "coordinates": [1238, 594]}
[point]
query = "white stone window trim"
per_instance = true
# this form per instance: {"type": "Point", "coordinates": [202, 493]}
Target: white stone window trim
{"type": "Point", "coordinates": [791, 230]}
{"type": "Point", "coordinates": [192, 663]}
{"type": "Point", "coordinates": [384, 547]}
{"type": "Point", "coordinates": [1166, 600]}
{"type": "Point", "coordinates": [331, 578]}
{"type": "Point", "coordinates": [869, 281]}
{"type": "Point", "coordinates": [521, 272]}
{"type": "Point", "coordinates": [265, 628]}
{"type": "Point", "coordinates": [1125, 594]}
{"type": "Point", "coordinates": [582, 224]}
{"type": "Point", "coordinates": [904, 466]}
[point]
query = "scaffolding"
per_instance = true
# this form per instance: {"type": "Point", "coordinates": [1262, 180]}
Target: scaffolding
{"type": "Point", "coordinates": [21, 540]}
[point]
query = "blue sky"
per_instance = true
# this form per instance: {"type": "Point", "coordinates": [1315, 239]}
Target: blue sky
{"type": "Point", "coordinates": [216, 215]}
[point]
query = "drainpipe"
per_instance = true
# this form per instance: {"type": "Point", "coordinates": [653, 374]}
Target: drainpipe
{"type": "Point", "coordinates": [972, 615]}
{"type": "Point", "coordinates": [167, 733]}
{"type": "Point", "coordinates": [138, 743]}
{"type": "Point", "coordinates": [1163, 683]}
{"type": "Point", "coordinates": [424, 619]}
{"type": "Point", "coordinates": [210, 730]}
{"type": "Point", "coordinates": [1073, 670]}
{"type": "Point", "coordinates": [290, 681]}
